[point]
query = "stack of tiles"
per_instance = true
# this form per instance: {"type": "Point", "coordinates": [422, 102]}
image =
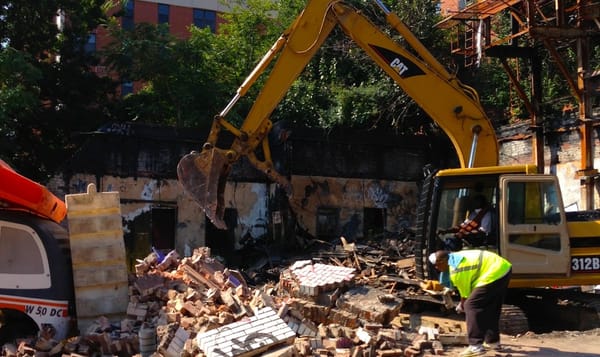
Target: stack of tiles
{"type": "Point", "coordinates": [317, 278]}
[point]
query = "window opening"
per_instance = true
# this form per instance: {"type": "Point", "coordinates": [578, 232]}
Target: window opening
{"type": "Point", "coordinates": [374, 222]}
{"type": "Point", "coordinates": [127, 19]}
{"type": "Point", "coordinates": [163, 14]}
{"type": "Point", "coordinates": [205, 18]}
{"type": "Point", "coordinates": [90, 45]}
{"type": "Point", "coordinates": [163, 227]}
{"type": "Point", "coordinates": [328, 222]}
{"type": "Point", "coordinates": [126, 88]}
{"type": "Point", "coordinates": [220, 241]}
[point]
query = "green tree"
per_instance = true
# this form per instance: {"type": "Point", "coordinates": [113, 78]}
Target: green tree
{"type": "Point", "coordinates": [345, 86]}
{"type": "Point", "coordinates": [179, 83]}
{"type": "Point", "coordinates": [47, 91]}
{"type": "Point", "coordinates": [249, 29]}
{"type": "Point", "coordinates": [18, 87]}
{"type": "Point", "coordinates": [341, 86]}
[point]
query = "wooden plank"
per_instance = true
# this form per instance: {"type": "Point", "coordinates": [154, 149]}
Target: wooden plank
{"type": "Point", "coordinates": [98, 255]}
{"type": "Point", "coordinates": [405, 263]}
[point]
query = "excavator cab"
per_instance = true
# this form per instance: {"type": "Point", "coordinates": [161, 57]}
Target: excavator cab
{"type": "Point", "coordinates": [458, 201]}
{"type": "Point", "coordinates": [528, 226]}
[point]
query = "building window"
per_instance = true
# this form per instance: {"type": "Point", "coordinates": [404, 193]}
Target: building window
{"type": "Point", "coordinates": [90, 45]}
{"type": "Point", "coordinates": [126, 88]}
{"type": "Point", "coordinates": [164, 221]}
{"type": "Point", "coordinates": [222, 242]}
{"type": "Point", "coordinates": [328, 222]}
{"type": "Point", "coordinates": [205, 18]}
{"type": "Point", "coordinates": [374, 223]}
{"type": "Point", "coordinates": [163, 14]}
{"type": "Point", "coordinates": [127, 20]}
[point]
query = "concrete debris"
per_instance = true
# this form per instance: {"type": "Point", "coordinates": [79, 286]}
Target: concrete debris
{"type": "Point", "coordinates": [247, 337]}
{"type": "Point", "coordinates": [346, 304]}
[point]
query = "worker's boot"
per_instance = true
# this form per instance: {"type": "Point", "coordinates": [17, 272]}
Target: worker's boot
{"type": "Point", "coordinates": [492, 346]}
{"type": "Point", "coordinates": [473, 350]}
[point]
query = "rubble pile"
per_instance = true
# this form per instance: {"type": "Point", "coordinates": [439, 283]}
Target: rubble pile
{"type": "Point", "coordinates": [346, 304]}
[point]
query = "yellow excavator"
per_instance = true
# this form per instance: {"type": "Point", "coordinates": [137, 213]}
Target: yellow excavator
{"type": "Point", "coordinates": [454, 106]}
{"type": "Point", "coordinates": [547, 246]}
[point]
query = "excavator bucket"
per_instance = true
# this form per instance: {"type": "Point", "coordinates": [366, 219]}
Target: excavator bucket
{"type": "Point", "coordinates": [203, 176]}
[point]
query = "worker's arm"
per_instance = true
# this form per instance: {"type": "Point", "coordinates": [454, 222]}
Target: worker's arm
{"type": "Point", "coordinates": [486, 222]}
{"type": "Point", "coordinates": [448, 230]}
{"type": "Point", "coordinates": [460, 307]}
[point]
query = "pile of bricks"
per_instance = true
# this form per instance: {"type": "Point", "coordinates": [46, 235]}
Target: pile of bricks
{"type": "Point", "coordinates": [196, 306]}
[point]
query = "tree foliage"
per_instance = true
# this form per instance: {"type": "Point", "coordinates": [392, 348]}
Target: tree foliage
{"type": "Point", "coordinates": [18, 85]}
{"type": "Point", "coordinates": [187, 82]}
{"type": "Point", "coordinates": [178, 83]}
{"type": "Point", "coordinates": [341, 86]}
{"type": "Point", "coordinates": [46, 99]}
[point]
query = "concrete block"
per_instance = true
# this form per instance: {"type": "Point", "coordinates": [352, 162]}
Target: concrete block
{"type": "Point", "coordinates": [247, 337]}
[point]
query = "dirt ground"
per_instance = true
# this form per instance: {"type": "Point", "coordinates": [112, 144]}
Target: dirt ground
{"type": "Point", "coordinates": [553, 344]}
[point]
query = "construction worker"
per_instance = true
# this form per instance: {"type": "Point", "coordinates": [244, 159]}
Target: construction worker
{"type": "Point", "coordinates": [481, 278]}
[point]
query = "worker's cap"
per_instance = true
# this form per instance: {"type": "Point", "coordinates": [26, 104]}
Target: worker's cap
{"type": "Point", "coordinates": [432, 258]}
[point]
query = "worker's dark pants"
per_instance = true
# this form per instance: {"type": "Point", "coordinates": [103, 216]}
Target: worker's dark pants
{"type": "Point", "coordinates": [482, 310]}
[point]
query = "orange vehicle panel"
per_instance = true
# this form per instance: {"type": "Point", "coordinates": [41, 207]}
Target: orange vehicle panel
{"type": "Point", "coordinates": [19, 192]}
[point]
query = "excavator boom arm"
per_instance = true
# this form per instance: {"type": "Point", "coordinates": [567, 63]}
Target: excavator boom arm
{"type": "Point", "coordinates": [452, 105]}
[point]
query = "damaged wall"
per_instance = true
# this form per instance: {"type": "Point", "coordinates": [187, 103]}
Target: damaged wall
{"type": "Point", "coordinates": [357, 185]}
{"type": "Point", "coordinates": [562, 155]}
{"type": "Point", "coordinates": [141, 199]}
{"type": "Point", "coordinates": [354, 208]}
{"type": "Point", "coordinates": [154, 212]}
{"type": "Point", "coordinates": [367, 186]}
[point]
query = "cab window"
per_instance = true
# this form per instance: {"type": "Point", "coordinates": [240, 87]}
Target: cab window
{"type": "Point", "coordinates": [534, 203]}
{"type": "Point", "coordinates": [23, 263]}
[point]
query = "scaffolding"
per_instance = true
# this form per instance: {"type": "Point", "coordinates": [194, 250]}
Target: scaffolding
{"type": "Point", "coordinates": [555, 26]}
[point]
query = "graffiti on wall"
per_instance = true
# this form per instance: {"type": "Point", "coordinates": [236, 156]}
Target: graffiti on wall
{"type": "Point", "coordinates": [118, 128]}
{"type": "Point", "coordinates": [250, 201]}
{"type": "Point", "coordinates": [253, 222]}
{"type": "Point", "coordinates": [378, 195]}
{"type": "Point", "coordinates": [398, 199]}
{"type": "Point", "coordinates": [130, 189]}
{"type": "Point", "coordinates": [79, 185]}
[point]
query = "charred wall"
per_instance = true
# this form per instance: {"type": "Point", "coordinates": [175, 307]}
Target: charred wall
{"type": "Point", "coordinates": [344, 182]}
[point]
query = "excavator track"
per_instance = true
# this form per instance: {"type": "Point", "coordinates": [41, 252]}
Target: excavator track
{"type": "Point", "coordinates": [558, 309]}
{"type": "Point", "coordinates": [513, 320]}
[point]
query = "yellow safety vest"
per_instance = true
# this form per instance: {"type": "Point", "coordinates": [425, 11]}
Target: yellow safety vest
{"type": "Point", "coordinates": [470, 269]}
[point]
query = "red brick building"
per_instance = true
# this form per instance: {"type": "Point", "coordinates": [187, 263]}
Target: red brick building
{"type": "Point", "coordinates": [178, 14]}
